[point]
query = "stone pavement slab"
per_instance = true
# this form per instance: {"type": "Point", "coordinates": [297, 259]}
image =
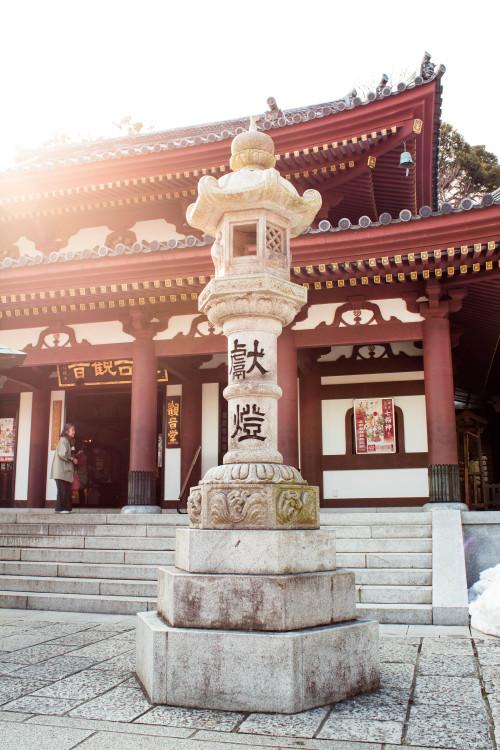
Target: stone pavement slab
{"type": "Point", "coordinates": [119, 704]}
{"type": "Point", "coordinates": [8, 668]}
{"type": "Point", "coordinates": [123, 662]}
{"type": "Point", "coordinates": [22, 735]}
{"type": "Point", "coordinates": [109, 726]}
{"type": "Point", "coordinates": [354, 728]}
{"type": "Point", "coordinates": [107, 648]}
{"type": "Point", "coordinates": [304, 724]}
{"type": "Point", "coordinates": [222, 721]}
{"type": "Point", "coordinates": [36, 704]}
{"type": "Point", "coordinates": [53, 669]}
{"type": "Point", "coordinates": [35, 654]}
{"type": "Point", "coordinates": [13, 716]}
{"type": "Point", "coordinates": [250, 740]}
{"type": "Point", "coordinates": [396, 676]}
{"type": "Point", "coordinates": [85, 685]}
{"type": "Point", "coordinates": [458, 738]}
{"type": "Point", "coordinates": [448, 691]}
{"type": "Point", "coordinates": [445, 665]}
{"type": "Point", "coordinates": [397, 653]}
{"type": "Point", "coordinates": [446, 645]}
{"type": "Point", "coordinates": [83, 638]}
{"type": "Point", "coordinates": [12, 687]}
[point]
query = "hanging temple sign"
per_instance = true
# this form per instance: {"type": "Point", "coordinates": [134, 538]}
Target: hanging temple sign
{"type": "Point", "coordinates": [252, 212]}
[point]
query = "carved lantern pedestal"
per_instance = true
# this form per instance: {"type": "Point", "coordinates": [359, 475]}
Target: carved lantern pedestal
{"type": "Point", "coordinates": [254, 616]}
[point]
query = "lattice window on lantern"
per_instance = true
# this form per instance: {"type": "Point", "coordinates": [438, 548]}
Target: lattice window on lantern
{"type": "Point", "coordinates": [274, 239]}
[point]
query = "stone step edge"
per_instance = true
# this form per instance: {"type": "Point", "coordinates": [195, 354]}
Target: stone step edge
{"type": "Point", "coordinates": [42, 563]}
{"type": "Point", "coordinates": [327, 518]}
{"type": "Point", "coordinates": [97, 597]}
{"type": "Point", "coordinates": [392, 606]}
{"type": "Point", "coordinates": [132, 566]}
{"type": "Point", "coordinates": [391, 586]}
{"type": "Point", "coordinates": [69, 579]}
{"type": "Point", "coordinates": [414, 539]}
{"type": "Point", "coordinates": [93, 597]}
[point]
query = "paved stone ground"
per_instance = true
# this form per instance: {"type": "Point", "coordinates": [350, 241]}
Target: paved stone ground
{"type": "Point", "coordinates": [67, 680]}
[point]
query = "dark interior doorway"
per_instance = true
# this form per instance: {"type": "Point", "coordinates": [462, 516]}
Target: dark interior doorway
{"type": "Point", "coordinates": [9, 414]}
{"type": "Point", "coordinates": [102, 422]}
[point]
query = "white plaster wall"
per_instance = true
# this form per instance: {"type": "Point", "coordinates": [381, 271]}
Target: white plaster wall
{"type": "Point", "coordinates": [109, 332]}
{"type": "Point", "coordinates": [155, 229]}
{"type": "Point", "coordinates": [318, 314]}
{"type": "Point", "coordinates": [51, 491]}
{"type": "Point", "coordinates": [336, 352]}
{"type": "Point", "coordinates": [19, 338]}
{"type": "Point", "coordinates": [209, 426]}
{"type": "Point", "coordinates": [87, 238]}
{"type": "Point", "coordinates": [407, 347]}
{"type": "Point", "coordinates": [376, 483]}
{"type": "Point", "coordinates": [26, 247]}
{"type": "Point", "coordinates": [396, 308]}
{"type": "Point", "coordinates": [333, 413]}
{"type": "Point", "coordinates": [23, 446]}
{"type": "Point", "coordinates": [388, 307]}
{"type": "Point", "coordinates": [415, 422]}
{"type": "Point", "coordinates": [382, 377]}
{"type": "Point", "coordinates": [172, 460]}
{"type": "Point", "coordinates": [176, 324]}
{"type": "Point", "coordinates": [216, 361]}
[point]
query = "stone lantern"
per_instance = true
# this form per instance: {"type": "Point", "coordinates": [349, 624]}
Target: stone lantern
{"type": "Point", "coordinates": [254, 616]}
{"type": "Point", "coordinates": [252, 212]}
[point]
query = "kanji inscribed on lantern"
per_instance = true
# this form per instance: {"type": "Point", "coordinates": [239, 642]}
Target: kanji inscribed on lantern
{"type": "Point", "coordinates": [374, 425]}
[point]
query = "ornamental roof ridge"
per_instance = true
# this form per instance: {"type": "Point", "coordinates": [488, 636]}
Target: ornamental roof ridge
{"type": "Point", "coordinates": [425, 212]}
{"type": "Point", "coordinates": [105, 252]}
{"type": "Point", "coordinates": [185, 137]}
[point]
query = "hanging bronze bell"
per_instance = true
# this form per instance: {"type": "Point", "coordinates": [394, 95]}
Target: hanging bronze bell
{"type": "Point", "coordinates": [405, 162]}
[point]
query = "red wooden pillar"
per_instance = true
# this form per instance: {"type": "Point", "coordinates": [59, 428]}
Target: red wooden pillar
{"type": "Point", "coordinates": [440, 409]}
{"type": "Point", "coordinates": [288, 416]}
{"type": "Point", "coordinates": [143, 419]}
{"type": "Point", "coordinates": [311, 440]}
{"type": "Point", "coordinates": [191, 434]}
{"type": "Point", "coordinates": [39, 443]}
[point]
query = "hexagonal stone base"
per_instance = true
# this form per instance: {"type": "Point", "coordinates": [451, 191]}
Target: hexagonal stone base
{"type": "Point", "coordinates": [234, 670]}
{"type": "Point", "coordinates": [253, 602]}
{"type": "Point", "coordinates": [255, 552]}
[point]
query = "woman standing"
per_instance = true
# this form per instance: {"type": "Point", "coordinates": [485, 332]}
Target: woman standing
{"type": "Point", "coordinates": [62, 469]}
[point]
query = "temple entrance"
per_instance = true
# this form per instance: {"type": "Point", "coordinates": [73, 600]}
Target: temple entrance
{"type": "Point", "coordinates": [102, 422]}
{"type": "Point", "coordinates": [9, 415]}
{"type": "Point", "coordinates": [102, 419]}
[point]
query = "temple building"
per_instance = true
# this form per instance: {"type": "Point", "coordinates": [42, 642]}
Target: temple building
{"type": "Point", "coordinates": [100, 276]}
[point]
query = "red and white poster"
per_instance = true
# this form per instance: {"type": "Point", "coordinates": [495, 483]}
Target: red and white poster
{"type": "Point", "coordinates": [7, 438]}
{"type": "Point", "coordinates": [374, 425]}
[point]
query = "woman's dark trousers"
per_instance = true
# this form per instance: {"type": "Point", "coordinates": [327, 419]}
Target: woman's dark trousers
{"type": "Point", "coordinates": [63, 495]}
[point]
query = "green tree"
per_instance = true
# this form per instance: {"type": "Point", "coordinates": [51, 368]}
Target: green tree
{"type": "Point", "coordinates": [465, 171]}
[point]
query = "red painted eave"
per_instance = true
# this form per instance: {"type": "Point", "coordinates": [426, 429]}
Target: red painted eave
{"type": "Point", "coordinates": [417, 235]}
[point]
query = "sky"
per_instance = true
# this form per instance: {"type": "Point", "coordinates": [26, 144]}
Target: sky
{"type": "Point", "coordinates": [76, 67]}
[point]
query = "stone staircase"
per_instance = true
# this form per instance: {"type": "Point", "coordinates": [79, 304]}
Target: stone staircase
{"type": "Point", "coordinates": [391, 555]}
{"type": "Point", "coordinates": [107, 563]}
